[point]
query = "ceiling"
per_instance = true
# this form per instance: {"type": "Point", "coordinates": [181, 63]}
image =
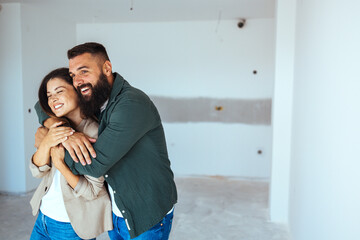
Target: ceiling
{"type": "Point", "coordinates": [83, 11]}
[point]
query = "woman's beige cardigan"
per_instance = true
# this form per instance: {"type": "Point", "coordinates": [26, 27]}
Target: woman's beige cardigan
{"type": "Point", "coordinates": [88, 205]}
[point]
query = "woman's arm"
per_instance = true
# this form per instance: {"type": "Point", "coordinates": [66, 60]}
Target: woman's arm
{"type": "Point", "coordinates": [85, 186]}
{"type": "Point", "coordinates": [38, 172]}
{"type": "Point", "coordinates": [78, 145]}
{"type": "Point", "coordinates": [54, 136]}
{"type": "Point", "coordinates": [57, 159]}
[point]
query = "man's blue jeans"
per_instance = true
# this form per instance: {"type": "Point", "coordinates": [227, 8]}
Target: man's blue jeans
{"type": "Point", "coordinates": [160, 231]}
{"type": "Point", "coordinates": [49, 229]}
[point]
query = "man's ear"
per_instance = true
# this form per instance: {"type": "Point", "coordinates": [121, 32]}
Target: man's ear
{"type": "Point", "coordinates": [107, 68]}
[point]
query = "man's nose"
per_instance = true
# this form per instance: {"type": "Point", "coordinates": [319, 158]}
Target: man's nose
{"type": "Point", "coordinates": [77, 81]}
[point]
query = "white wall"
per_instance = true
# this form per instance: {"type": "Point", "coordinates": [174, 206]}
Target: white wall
{"type": "Point", "coordinates": [324, 195]}
{"type": "Point", "coordinates": [183, 59]}
{"type": "Point", "coordinates": [32, 44]}
{"type": "Point", "coordinates": [199, 59]}
{"type": "Point", "coordinates": [282, 109]}
{"type": "Point", "coordinates": [191, 59]}
{"type": "Point", "coordinates": [12, 170]}
{"type": "Point", "coordinates": [219, 149]}
{"type": "Point", "coordinates": [45, 40]}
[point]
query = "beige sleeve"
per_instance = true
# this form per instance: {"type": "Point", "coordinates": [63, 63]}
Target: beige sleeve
{"type": "Point", "coordinates": [89, 187]}
{"type": "Point", "coordinates": [38, 172]}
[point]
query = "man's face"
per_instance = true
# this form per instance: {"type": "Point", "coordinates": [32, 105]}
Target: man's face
{"type": "Point", "coordinates": [90, 82]}
{"type": "Point", "coordinates": [85, 71]}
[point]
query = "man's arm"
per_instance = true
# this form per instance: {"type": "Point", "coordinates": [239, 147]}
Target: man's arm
{"type": "Point", "coordinates": [129, 121]}
{"type": "Point", "coordinates": [40, 113]}
{"type": "Point", "coordinates": [46, 120]}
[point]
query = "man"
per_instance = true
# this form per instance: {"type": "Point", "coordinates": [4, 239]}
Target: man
{"type": "Point", "coordinates": [130, 151]}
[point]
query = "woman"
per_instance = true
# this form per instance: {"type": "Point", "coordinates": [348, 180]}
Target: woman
{"type": "Point", "coordinates": [69, 206]}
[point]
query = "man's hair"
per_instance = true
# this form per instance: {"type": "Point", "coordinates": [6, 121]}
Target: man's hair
{"type": "Point", "coordinates": [62, 73]}
{"type": "Point", "coordinates": [95, 49]}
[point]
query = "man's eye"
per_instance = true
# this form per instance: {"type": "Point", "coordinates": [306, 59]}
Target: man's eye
{"type": "Point", "coordinates": [83, 71]}
{"type": "Point", "coordinates": [49, 96]}
{"type": "Point", "coordinates": [60, 91]}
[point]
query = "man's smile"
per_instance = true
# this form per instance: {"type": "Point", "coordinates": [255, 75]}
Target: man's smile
{"type": "Point", "coordinates": [85, 90]}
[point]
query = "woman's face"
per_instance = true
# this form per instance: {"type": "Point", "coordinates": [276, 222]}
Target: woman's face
{"type": "Point", "coordinates": [62, 97]}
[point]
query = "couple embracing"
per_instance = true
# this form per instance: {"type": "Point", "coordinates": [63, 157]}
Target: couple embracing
{"type": "Point", "coordinates": [101, 154]}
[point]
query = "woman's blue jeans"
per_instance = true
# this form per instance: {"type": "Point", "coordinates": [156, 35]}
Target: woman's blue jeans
{"type": "Point", "coordinates": [49, 229]}
{"type": "Point", "coordinates": [160, 231]}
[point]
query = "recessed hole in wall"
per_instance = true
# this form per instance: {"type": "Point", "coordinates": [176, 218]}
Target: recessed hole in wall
{"type": "Point", "coordinates": [259, 152]}
{"type": "Point", "coordinates": [29, 110]}
{"type": "Point", "coordinates": [254, 72]}
{"type": "Point", "coordinates": [218, 108]}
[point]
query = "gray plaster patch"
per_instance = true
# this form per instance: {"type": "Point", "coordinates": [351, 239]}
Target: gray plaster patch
{"type": "Point", "coordinates": [247, 111]}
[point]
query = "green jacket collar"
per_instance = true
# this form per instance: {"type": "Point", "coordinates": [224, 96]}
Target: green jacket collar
{"type": "Point", "coordinates": [116, 87]}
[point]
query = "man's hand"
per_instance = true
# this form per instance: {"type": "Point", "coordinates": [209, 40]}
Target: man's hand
{"type": "Point", "coordinates": [39, 136]}
{"type": "Point", "coordinates": [79, 145]}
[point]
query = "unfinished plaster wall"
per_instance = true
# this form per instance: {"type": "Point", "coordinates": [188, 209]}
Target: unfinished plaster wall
{"type": "Point", "coordinates": [30, 47]}
{"type": "Point", "coordinates": [12, 170]}
{"type": "Point", "coordinates": [212, 83]}
{"type": "Point", "coordinates": [43, 49]}
{"type": "Point", "coordinates": [324, 196]}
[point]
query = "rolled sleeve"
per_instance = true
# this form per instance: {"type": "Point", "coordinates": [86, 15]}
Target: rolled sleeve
{"type": "Point", "coordinates": [88, 187]}
{"type": "Point", "coordinates": [38, 172]}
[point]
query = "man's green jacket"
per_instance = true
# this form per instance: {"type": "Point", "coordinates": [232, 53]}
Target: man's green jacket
{"type": "Point", "coordinates": [131, 154]}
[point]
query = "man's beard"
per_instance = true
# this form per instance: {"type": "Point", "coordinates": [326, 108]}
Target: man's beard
{"type": "Point", "coordinates": [90, 105]}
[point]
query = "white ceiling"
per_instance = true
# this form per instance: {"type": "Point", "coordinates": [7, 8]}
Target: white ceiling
{"type": "Point", "coordinates": [152, 10]}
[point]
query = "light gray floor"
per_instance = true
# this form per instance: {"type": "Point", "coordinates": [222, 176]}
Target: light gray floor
{"type": "Point", "coordinates": [209, 208]}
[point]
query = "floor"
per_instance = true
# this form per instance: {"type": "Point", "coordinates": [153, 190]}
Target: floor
{"type": "Point", "coordinates": [213, 208]}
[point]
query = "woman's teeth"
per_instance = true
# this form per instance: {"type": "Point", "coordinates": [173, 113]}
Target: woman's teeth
{"type": "Point", "coordinates": [58, 106]}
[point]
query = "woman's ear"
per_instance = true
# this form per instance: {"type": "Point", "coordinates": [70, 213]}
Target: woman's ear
{"type": "Point", "coordinates": [107, 68]}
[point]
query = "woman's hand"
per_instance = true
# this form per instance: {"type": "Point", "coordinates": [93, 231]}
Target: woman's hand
{"type": "Point", "coordinates": [40, 135]}
{"type": "Point", "coordinates": [57, 154]}
{"type": "Point", "coordinates": [53, 137]}
{"type": "Point", "coordinates": [57, 135]}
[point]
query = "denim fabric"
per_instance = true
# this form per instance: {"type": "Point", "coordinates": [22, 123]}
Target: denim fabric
{"type": "Point", "coordinates": [46, 228]}
{"type": "Point", "coordinates": [160, 231]}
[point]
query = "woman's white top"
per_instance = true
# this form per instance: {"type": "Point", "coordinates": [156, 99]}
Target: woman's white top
{"type": "Point", "coordinates": [52, 204]}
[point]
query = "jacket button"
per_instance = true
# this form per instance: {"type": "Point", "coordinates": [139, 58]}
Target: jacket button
{"type": "Point", "coordinates": [114, 192]}
{"type": "Point", "coordinates": [106, 175]}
